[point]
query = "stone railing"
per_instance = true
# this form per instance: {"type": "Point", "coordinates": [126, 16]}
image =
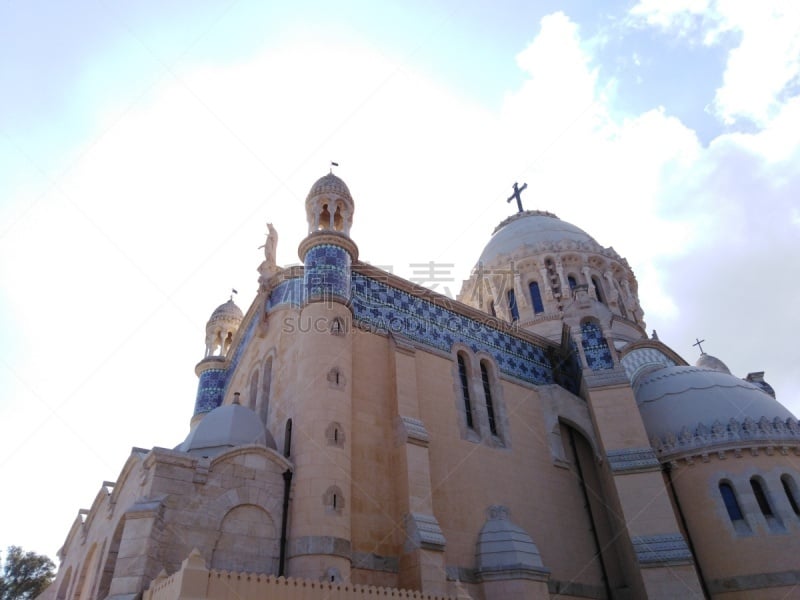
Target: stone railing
{"type": "Point", "coordinates": [194, 582]}
{"type": "Point", "coordinates": [769, 434]}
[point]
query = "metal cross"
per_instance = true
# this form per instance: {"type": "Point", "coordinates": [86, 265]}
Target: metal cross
{"type": "Point", "coordinates": [516, 195]}
{"type": "Point", "coordinates": [699, 346]}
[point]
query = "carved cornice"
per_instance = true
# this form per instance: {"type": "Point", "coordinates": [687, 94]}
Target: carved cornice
{"type": "Point", "coordinates": [735, 435]}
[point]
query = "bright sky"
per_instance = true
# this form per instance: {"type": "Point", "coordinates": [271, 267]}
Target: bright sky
{"type": "Point", "coordinates": [143, 147]}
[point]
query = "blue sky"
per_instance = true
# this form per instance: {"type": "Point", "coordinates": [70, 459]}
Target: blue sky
{"type": "Point", "coordinates": [143, 147]}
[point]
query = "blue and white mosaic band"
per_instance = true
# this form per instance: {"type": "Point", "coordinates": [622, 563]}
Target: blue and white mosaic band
{"type": "Point", "coordinates": [327, 272]}
{"type": "Point", "coordinates": [210, 390]}
{"type": "Point", "coordinates": [595, 347]}
{"type": "Point", "coordinates": [388, 309]}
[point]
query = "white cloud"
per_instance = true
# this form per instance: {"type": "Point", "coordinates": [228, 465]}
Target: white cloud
{"type": "Point", "coordinates": [764, 65]}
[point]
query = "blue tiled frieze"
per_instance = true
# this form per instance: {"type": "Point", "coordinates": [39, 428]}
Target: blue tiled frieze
{"type": "Point", "coordinates": [289, 292]}
{"type": "Point", "coordinates": [327, 271]}
{"type": "Point", "coordinates": [210, 389]}
{"type": "Point", "coordinates": [388, 309]}
{"type": "Point", "coordinates": [595, 347]}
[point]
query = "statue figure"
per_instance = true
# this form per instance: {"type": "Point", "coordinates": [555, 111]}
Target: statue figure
{"type": "Point", "coordinates": [270, 246]}
{"type": "Point", "coordinates": [269, 267]}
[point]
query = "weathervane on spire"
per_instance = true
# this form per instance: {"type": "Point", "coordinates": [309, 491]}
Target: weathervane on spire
{"type": "Point", "coordinates": [333, 164]}
{"type": "Point", "coordinates": [516, 195]}
{"type": "Point", "coordinates": [699, 341]}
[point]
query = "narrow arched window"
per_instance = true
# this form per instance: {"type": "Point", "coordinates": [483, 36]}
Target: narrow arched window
{"type": "Point", "coordinates": [572, 282]}
{"type": "Point", "coordinates": [253, 390]}
{"type": "Point", "coordinates": [761, 497]}
{"type": "Point", "coordinates": [731, 503]}
{"type": "Point", "coordinates": [512, 305]}
{"type": "Point", "coordinates": [487, 392]}
{"type": "Point", "coordinates": [536, 297]}
{"type": "Point", "coordinates": [287, 439]}
{"type": "Point", "coordinates": [598, 290]}
{"type": "Point", "coordinates": [462, 375]}
{"type": "Point", "coordinates": [266, 390]}
{"type": "Point", "coordinates": [789, 487]}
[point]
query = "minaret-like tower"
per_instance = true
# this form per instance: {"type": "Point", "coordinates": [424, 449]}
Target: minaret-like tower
{"type": "Point", "coordinates": [212, 370]}
{"type": "Point", "coordinates": [320, 535]}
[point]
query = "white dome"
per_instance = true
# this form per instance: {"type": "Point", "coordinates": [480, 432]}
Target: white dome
{"type": "Point", "coordinates": [706, 361]}
{"type": "Point", "coordinates": [226, 427]}
{"type": "Point", "coordinates": [537, 229]}
{"type": "Point", "coordinates": [676, 397]}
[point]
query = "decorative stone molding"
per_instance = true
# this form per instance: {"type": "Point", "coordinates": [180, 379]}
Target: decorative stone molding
{"type": "Point", "coordinates": [320, 544]}
{"type": "Point", "coordinates": [658, 550]}
{"type": "Point", "coordinates": [735, 435]}
{"type": "Point", "coordinates": [413, 431]}
{"type": "Point", "coordinates": [423, 531]}
{"type": "Point", "coordinates": [757, 581]}
{"type": "Point", "coordinates": [631, 460]}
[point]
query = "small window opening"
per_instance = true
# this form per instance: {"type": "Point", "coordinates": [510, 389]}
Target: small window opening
{"type": "Point", "coordinates": [572, 282]}
{"type": "Point", "coordinates": [761, 497]}
{"type": "Point", "coordinates": [731, 503]}
{"type": "Point", "coordinates": [788, 484]}
{"type": "Point", "coordinates": [487, 391]}
{"type": "Point", "coordinates": [536, 297]}
{"type": "Point", "coordinates": [598, 290]}
{"type": "Point", "coordinates": [512, 305]}
{"type": "Point", "coordinates": [462, 374]}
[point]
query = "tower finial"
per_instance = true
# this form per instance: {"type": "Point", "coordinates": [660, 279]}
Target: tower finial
{"type": "Point", "coordinates": [699, 341]}
{"type": "Point", "coordinates": [333, 164]}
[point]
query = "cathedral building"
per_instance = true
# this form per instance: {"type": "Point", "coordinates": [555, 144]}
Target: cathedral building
{"type": "Point", "coordinates": [357, 436]}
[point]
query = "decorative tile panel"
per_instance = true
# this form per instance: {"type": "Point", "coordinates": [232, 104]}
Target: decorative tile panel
{"type": "Point", "coordinates": [634, 361]}
{"type": "Point", "coordinates": [387, 309]}
{"type": "Point", "coordinates": [210, 389]}
{"type": "Point", "coordinates": [327, 271]}
{"type": "Point", "coordinates": [595, 347]}
{"type": "Point", "coordinates": [289, 292]}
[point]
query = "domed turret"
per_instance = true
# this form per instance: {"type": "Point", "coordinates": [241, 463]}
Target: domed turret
{"type": "Point", "coordinates": [536, 269]}
{"type": "Point", "coordinates": [712, 363]}
{"type": "Point", "coordinates": [221, 328]}
{"type": "Point", "coordinates": [329, 206]}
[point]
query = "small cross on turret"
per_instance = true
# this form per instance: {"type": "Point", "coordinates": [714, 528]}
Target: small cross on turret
{"type": "Point", "coordinates": [699, 341]}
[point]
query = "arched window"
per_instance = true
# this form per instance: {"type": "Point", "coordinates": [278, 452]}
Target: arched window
{"type": "Point", "coordinates": [731, 503]}
{"type": "Point", "coordinates": [266, 389]}
{"type": "Point", "coordinates": [536, 297]}
{"type": "Point", "coordinates": [572, 282]}
{"type": "Point", "coordinates": [790, 488]}
{"type": "Point", "coordinates": [512, 305]}
{"type": "Point", "coordinates": [487, 392]}
{"type": "Point", "coordinates": [253, 390]}
{"type": "Point", "coordinates": [287, 439]}
{"type": "Point", "coordinates": [462, 375]}
{"type": "Point", "coordinates": [337, 326]}
{"type": "Point", "coordinates": [598, 290]}
{"type": "Point", "coordinates": [761, 497]}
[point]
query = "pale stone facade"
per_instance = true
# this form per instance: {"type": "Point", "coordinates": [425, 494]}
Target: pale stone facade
{"type": "Point", "coordinates": [357, 436]}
